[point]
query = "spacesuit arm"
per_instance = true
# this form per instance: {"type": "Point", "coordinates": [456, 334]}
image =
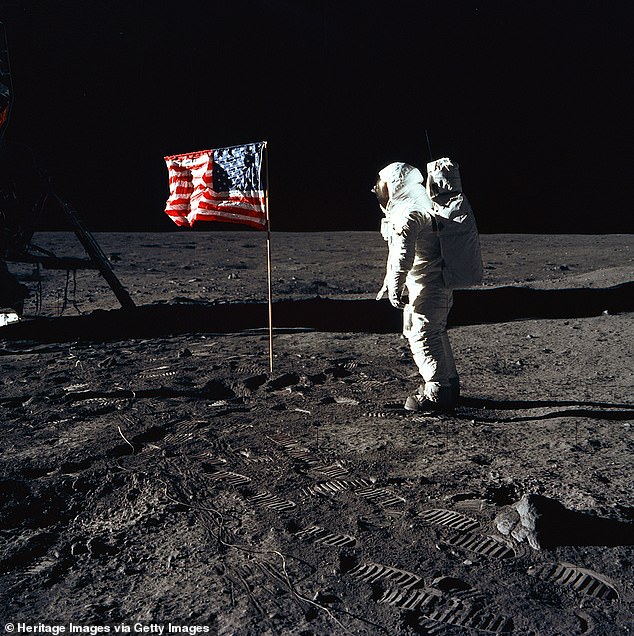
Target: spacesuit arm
{"type": "Point", "coordinates": [383, 289]}
{"type": "Point", "coordinates": [401, 257]}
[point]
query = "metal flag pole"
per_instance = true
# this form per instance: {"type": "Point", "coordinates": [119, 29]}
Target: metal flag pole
{"type": "Point", "coordinates": [268, 254]}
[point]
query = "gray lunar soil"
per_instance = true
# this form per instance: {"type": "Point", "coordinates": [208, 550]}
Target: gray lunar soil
{"type": "Point", "coordinates": [173, 479]}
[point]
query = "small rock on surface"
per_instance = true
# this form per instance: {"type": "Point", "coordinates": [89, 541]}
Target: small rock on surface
{"type": "Point", "coordinates": [534, 518]}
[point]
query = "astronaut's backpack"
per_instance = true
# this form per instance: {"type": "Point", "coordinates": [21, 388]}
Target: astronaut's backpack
{"type": "Point", "coordinates": [455, 226]}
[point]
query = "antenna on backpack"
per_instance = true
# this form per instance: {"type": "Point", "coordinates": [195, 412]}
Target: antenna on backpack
{"type": "Point", "coordinates": [431, 157]}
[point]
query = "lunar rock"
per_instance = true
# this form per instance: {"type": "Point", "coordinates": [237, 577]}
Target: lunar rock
{"type": "Point", "coordinates": [534, 519]}
{"type": "Point", "coordinates": [546, 523]}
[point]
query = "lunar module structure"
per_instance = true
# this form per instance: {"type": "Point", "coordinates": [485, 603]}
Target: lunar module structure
{"type": "Point", "coordinates": [25, 197]}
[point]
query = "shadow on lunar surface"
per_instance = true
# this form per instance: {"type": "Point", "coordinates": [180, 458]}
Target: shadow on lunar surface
{"type": "Point", "coordinates": [581, 529]}
{"type": "Point", "coordinates": [583, 409]}
{"type": "Point", "coordinates": [551, 524]}
{"type": "Point", "coordinates": [471, 306]}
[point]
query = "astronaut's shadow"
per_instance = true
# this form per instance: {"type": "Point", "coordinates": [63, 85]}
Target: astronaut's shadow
{"type": "Point", "coordinates": [561, 408]}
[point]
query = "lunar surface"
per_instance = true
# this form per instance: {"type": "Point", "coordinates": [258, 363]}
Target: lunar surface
{"type": "Point", "coordinates": [157, 473]}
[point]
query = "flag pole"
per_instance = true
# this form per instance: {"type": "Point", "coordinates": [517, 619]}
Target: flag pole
{"type": "Point", "coordinates": [268, 256]}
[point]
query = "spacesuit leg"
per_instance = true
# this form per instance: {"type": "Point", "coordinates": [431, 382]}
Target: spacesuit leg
{"type": "Point", "coordinates": [425, 327]}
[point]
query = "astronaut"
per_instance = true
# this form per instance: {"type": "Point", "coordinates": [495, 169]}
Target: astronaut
{"type": "Point", "coordinates": [433, 248]}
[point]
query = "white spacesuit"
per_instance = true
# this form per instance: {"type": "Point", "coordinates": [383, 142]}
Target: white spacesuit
{"type": "Point", "coordinates": [433, 247]}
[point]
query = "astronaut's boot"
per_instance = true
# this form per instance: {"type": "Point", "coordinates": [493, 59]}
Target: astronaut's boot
{"type": "Point", "coordinates": [432, 396]}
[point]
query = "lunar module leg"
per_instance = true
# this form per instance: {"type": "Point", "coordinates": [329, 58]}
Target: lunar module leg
{"type": "Point", "coordinates": [97, 256]}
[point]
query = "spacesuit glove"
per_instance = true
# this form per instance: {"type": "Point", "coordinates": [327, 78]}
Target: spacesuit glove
{"type": "Point", "coordinates": [396, 300]}
{"type": "Point", "coordinates": [382, 292]}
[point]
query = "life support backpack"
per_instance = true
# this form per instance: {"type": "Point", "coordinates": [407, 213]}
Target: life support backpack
{"type": "Point", "coordinates": [455, 226]}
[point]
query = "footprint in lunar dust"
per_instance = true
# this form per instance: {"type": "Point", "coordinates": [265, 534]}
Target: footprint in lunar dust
{"type": "Point", "coordinates": [283, 381]}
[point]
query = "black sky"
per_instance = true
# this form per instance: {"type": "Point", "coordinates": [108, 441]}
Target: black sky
{"type": "Point", "coordinates": [532, 98]}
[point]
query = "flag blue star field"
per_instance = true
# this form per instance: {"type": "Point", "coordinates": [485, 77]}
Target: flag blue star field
{"type": "Point", "coordinates": [217, 185]}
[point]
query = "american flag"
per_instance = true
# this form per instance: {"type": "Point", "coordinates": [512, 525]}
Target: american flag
{"type": "Point", "coordinates": [224, 184]}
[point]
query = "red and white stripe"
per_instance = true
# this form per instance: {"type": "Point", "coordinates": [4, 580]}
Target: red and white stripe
{"type": "Point", "coordinates": [192, 197]}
